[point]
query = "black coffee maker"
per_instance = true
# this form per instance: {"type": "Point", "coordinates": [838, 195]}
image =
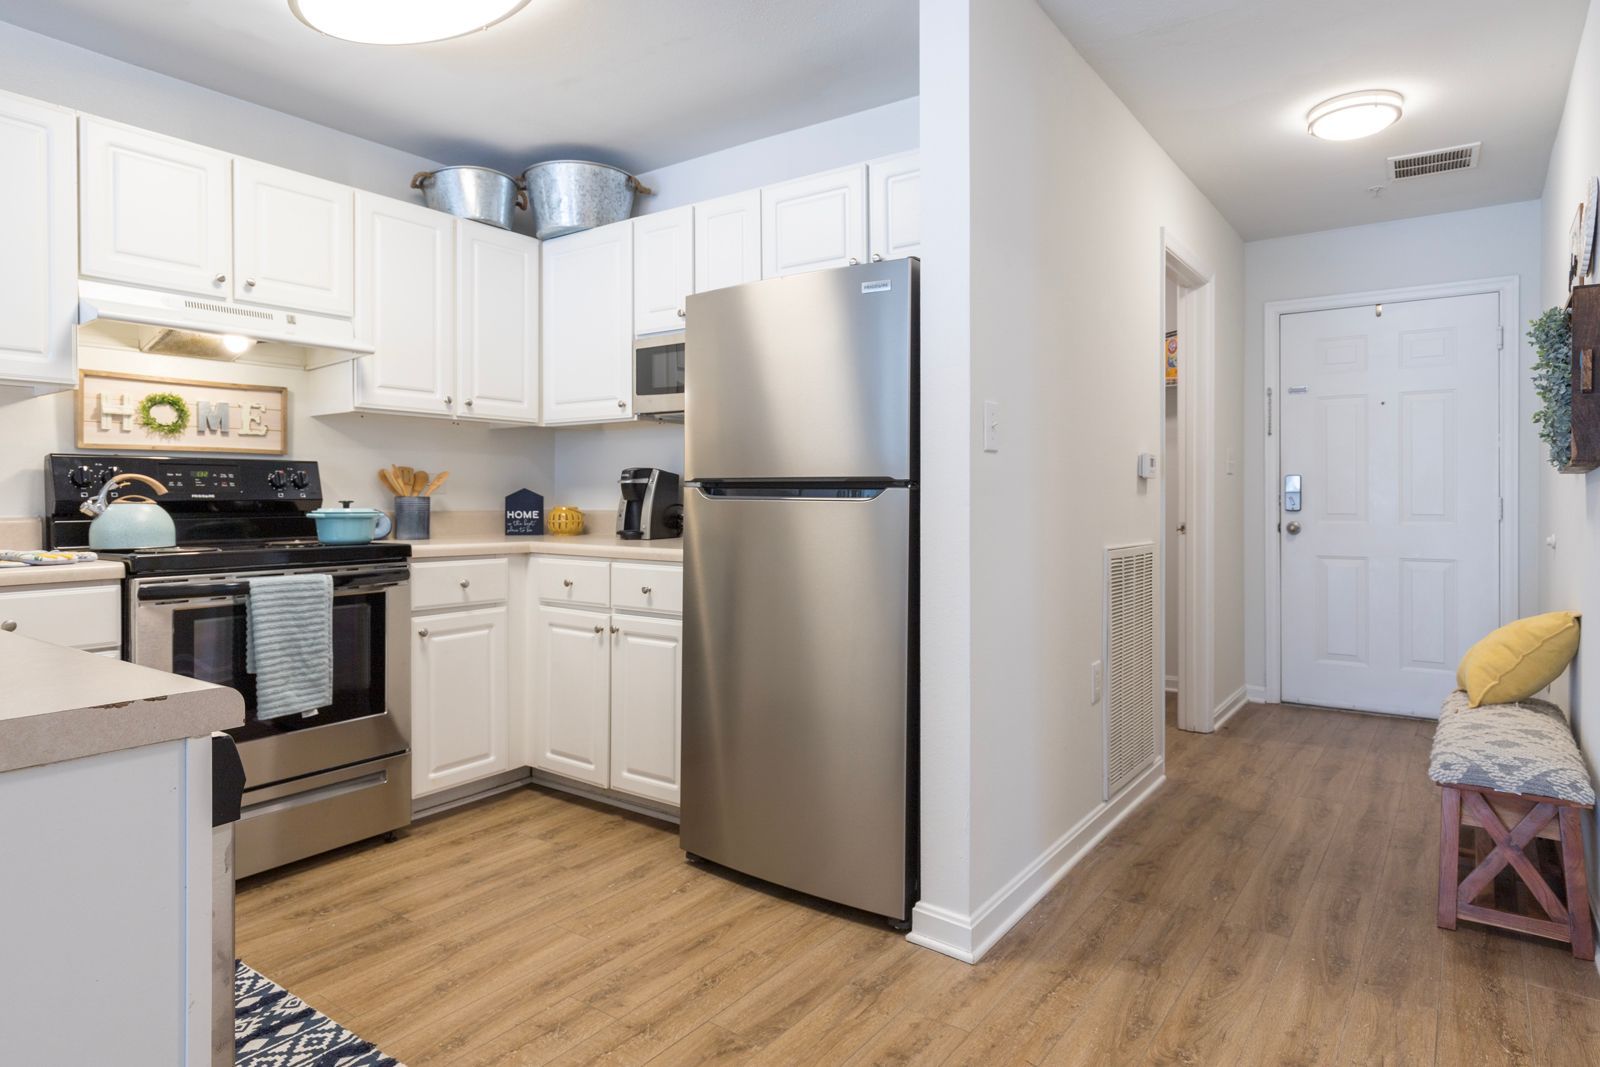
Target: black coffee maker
{"type": "Point", "coordinates": [652, 505]}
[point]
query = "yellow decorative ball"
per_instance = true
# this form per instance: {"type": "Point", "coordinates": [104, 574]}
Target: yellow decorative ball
{"type": "Point", "coordinates": [564, 520]}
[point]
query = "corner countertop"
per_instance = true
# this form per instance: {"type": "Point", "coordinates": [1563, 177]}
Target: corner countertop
{"type": "Point", "coordinates": [594, 545]}
{"type": "Point", "coordinates": [65, 574]}
{"type": "Point", "coordinates": [61, 704]}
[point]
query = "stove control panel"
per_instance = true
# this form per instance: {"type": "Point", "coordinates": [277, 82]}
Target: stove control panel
{"type": "Point", "coordinates": [191, 483]}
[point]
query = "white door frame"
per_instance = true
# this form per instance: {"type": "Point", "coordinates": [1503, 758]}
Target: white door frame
{"type": "Point", "coordinates": [1509, 291]}
{"type": "Point", "coordinates": [1197, 360]}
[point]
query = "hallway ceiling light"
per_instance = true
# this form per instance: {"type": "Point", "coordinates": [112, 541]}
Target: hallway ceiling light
{"type": "Point", "coordinates": [401, 21]}
{"type": "Point", "coordinates": [1353, 115]}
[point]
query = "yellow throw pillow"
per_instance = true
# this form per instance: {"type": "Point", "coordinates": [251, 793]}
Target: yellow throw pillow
{"type": "Point", "coordinates": [1519, 659]}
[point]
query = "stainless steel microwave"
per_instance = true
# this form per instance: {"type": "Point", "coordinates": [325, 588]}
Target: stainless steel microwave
{"type": "Point", "coordinates": [658, 374]}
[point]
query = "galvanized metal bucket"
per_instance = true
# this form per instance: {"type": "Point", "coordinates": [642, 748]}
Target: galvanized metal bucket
{"type": "Point", "coordinates": [476, 193]}
{"type": "Point", "coordinates": [569, 195]}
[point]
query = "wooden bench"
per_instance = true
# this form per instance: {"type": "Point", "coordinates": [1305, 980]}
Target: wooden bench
{"type": "Point", "coordinates": [1514, 771]}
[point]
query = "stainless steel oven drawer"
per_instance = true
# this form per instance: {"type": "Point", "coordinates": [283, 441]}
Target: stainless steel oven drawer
{"type": "Point", "coordinates": [293, 820]}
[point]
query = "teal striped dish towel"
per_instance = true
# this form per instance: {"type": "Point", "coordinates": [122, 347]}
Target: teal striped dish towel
{"type": "Point", "coordinates": [289, 643]}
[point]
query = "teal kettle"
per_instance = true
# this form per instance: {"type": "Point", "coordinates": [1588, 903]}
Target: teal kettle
{"type": "Point", "coordinates": [129, 522]}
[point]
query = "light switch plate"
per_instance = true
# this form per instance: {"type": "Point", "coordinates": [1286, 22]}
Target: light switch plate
{"type": "Point", "coordinates": [991, 425]}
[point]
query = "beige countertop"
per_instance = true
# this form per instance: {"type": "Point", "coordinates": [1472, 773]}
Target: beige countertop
{"type": "Point", "coordinates": [98, 571]}
{"type": "Point", "coordinates": [61, 704]}
{"type": "Point", "coordinates": [596, 545]}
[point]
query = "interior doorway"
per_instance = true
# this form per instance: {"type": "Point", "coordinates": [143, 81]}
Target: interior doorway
{"type": "Point", "coordinates": [1171, 465]}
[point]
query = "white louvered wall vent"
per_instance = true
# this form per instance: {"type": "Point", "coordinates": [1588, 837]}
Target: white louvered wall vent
{"type": "Point", "coordinates": [1437, 161]}
{"type": "Point", "coordinates": [1130, 702]}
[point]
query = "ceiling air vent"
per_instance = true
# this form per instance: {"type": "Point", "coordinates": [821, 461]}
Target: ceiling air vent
{"type": "Point", "coordinates": [1438, 161]}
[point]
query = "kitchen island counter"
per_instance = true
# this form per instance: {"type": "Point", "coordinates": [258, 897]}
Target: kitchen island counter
{"type": "Point", "coordinates": [102, 570]}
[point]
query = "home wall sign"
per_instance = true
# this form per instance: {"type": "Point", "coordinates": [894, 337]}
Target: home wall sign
{"type": "Point", "coordinates": [130, 412]}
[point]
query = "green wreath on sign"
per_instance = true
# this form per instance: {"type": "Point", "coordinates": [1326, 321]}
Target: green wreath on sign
{"type": "Point", "coordinates": [173, 426]}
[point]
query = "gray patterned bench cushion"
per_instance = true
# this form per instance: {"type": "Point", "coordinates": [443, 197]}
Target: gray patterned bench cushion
{"type": "Point", "coordinates": [1511, 748]}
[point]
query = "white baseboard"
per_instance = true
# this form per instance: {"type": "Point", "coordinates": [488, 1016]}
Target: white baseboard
{"type": "Point", "coordinates": [1255, 694]}
{"type": "Point", "coordinates": [1225, 710]}
{"type": "Point", "coordinates": [967, 938]}
{"type": "Point", "coordinates": [1172, 683]}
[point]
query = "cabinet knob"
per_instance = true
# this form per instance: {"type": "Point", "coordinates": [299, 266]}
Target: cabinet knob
{"type": "Point", "coordinates": [645, 589]}
{"type": "Point", "coordinates": [615, 630]}
{"type": "Point", "coordinates": [449, 400]}
{"type": "Point", "coordinates": [854, 261]}
{"type": "Point", "coordinates": [567, 582]}
{"type": "Point", "coordinates": [877, 257]}
{"type": "Point", "coordinates": [423, 632]}
{"type": "Point", "coordinates": [682, 314]}
{"type": "Point", "coordinates": [219, 279]}
{"type": "Point", "coordinates": [249, 283]}
{"type": "Point", "coordinates": [466, 582]}
{"type": "Point", "coordinates": [599, 629]}
{"type": "Point", "coordinates": [622, 403]}
{"type": "Point", "coordinates": [9, 626]}
{"type": "Point", "coordinates": [469, 403]}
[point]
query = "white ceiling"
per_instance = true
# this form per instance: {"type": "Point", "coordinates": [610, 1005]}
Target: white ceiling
{"type": "Point", "coordinates": [1224, 86]}
{"type": "Point", "coordinates": [638, 83]}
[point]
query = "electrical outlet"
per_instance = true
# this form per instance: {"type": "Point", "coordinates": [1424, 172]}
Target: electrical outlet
{"type": "Point", "coordinates": [991, 425]}
{"type": "Point", "coordinates": [1096, 678]}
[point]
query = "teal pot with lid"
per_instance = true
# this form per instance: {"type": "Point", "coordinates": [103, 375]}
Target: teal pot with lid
{"type": "Point", "coordinates": [345, 525]}
{"type": "Point", "coordinates": [129, 522]}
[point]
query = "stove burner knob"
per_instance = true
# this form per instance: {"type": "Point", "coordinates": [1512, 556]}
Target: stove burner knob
{"type": "Point", "coordinates": [301, 479]}
{"type": "Point", "coordinates": [278, 479]}
{"type": "Point", "coordinates": [81, 477]}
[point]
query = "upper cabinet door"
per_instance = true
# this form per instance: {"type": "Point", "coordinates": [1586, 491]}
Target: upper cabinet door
{"type": "Point", "coordinates": [154, 211]}
{"type": "Point", "coordinates": [39, 233]}
{"type": "Point", "coordinates": [894, 207]}
{"type": "Point", "coordinates": [497, 333]}
{"type": "Point", "coordinates": [663, 269]}
{"type": "Point", "coordinates": [293, 240]}
{"type": "Point", "coordinates": [727, 241]}
{"type": "Point", "coordinates": [407, 306]}
{"type": "Point", "coordinates": [587, 325]}
{"type": "Point", "coordinates": [814, 223]}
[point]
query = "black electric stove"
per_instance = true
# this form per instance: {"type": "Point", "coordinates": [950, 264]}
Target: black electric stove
{"type": "Point", "coordinates": [231, 514]}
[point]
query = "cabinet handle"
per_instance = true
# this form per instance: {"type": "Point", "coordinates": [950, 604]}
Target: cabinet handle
{"type": "Point", "coordinates": [599, 629]}
{"type": "Point", "coordinates": [422, 633]}
{"type": "Point", "coordinates": [854, 261]}
{"type": "Point", "coordinates": [469, 403]}
{"type": "Point", "coordinates": [219, 279]}
{"type": "Point", "coordinates": [645, 589]}
{"type": "Point", "coordinates": [682, 314]}
{"type": "Point", "coordinates": [249, 283]}
{"type": "Point", "coordinates": [9, 626]}
{"type": "Point", "coordinates": [448, 400]}
{"type": "Point", "coordinates": [465, 583]}
{"type": "Point", "coordinates": [615, 630]}
{"type": "Point", "coordinates": [622, 403]}
{"type": "Point", "coordinates": [877, 257]}
{"type": "Point", "coordinates": [567, 582]}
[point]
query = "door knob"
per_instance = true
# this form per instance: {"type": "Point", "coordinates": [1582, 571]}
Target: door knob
{"type": "Point", "coordinates": [1293, 527]}
{"type": "Point", "coordinates": [422, 633]}
{"type": "Point", "coordinates": [9, 626]}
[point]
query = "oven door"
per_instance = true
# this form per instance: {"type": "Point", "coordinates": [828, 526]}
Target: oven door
{"type": "Point", "coordinates": [659, 362]}
{"type": "Point", "coordinates": [195, 626]}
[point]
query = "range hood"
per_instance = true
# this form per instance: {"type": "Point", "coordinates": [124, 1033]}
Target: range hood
{"type": "Point", "coordinates": [328, 339]}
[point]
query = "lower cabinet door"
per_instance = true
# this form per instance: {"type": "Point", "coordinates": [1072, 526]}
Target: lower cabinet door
{"type": "Point", "coordinates": [646, 706]}
{"type": "Point", "coordinates": [459, 676]}
{"type": "Point", "coordinates": [571, 733]}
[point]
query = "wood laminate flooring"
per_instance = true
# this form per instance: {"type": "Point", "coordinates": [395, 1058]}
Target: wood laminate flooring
{"type": "Point", "coordinates": [1272, 903]}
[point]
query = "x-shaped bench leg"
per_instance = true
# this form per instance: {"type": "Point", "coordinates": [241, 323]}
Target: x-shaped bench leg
{"type": "Point", "coordinates": [1508, 849]}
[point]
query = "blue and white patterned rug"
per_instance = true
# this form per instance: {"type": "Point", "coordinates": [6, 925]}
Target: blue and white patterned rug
{"type": "Point", "coordinates": [274, 1028]}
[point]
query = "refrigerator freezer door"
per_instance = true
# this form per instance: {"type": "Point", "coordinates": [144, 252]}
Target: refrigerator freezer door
{"type": "Point", "coordinates": [804, 378]}
{"type": "Point", "coordinates": [795, 705]}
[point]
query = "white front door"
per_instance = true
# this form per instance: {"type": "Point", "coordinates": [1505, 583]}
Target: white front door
{"type": "Point", "coordinates": [1391, 568]}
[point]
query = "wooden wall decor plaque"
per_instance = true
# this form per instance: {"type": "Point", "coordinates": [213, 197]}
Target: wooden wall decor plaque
{"type": "Point", "coordinates": [135, 413]}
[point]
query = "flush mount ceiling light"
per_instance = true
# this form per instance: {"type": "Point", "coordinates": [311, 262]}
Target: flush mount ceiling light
{"type": "Point", "coordinates": [1353, 115]}
{"type": "Point", "coordinates": [401, 21]}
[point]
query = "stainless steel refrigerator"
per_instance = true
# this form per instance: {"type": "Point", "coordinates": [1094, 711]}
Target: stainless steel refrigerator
{"type": "Point", "coordinates": [800, 535]}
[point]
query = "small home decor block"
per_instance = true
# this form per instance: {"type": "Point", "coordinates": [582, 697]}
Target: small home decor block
{"type": "Point", "coordinates": [524, 514]}
{"type": "Point", "coordinates": [130, 412]}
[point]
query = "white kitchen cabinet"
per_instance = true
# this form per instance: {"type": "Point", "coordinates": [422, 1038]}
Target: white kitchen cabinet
{"type": "Point", "coordinates": [497, 333]}
{"type": "Point", "coordinates": [572, 732]}
{"type": "Point", "coordinates": [39, 235]}
{"type": "Point", "coordinates": [587, 325]}
{"type": "Point", "coordinates": [727, 241]}
{"type": "Point", "coordinates": [663, 270]}
{"type": "Point", "coordinates": [646, 706]}
{"type": "Point", "coordinates": [154, 211]}
{"type": "Point", "coordinates": [459, 698]}
{"type": "Point", "coordinates": [406, 308]}
{"type": "Point", "coordinates": [86, 617]}
{"type": "Point", "coordinates": [894, 206]}
{"type": "Point", "coordinates": [293, 240]}
{"type": "Point", "coordinates": [814, 223]}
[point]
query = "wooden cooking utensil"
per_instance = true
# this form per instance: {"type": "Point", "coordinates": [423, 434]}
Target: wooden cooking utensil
{"type": "Point", "coordinates": [402, 486]}
{"type": "Point", "coordinates": [388, 480]}
{"type": "Point", "coordinates": [436, 483]}
{"type": "Point", "coordinates": [405, 475]}
{"type": "Point", "coordinates": [419, 482]}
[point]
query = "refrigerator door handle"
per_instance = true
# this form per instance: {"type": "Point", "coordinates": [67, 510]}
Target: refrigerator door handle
{"type": "Point", "coordinates": [791, 492]}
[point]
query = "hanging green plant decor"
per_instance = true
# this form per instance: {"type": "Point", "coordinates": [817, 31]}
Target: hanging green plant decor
{"type": "Point", "coordinates": [1551, 334]}
{"type": "Point", "coordinates": [174, 425]}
